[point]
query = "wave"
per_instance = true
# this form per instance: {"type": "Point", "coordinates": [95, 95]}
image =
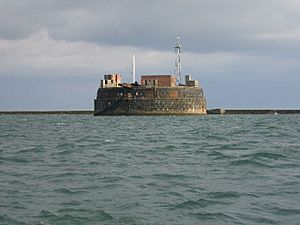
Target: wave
{"type": "Point", "coordinates": [57, 177]}
{"type": "Point", "coordinates": [74, 216]}
{"type": "Point", "coordinates": [68, 191]}
{"type": "Point", "coordinates": [5, 219]}
{"type": "Point", "coordinates": [7, 135]}
{"type": "Point", "coordinates": [213, 216]}
{"type": "Point", "coordinates": [36, 149]}
{"type": "Point", "coordinates": [195, 204]}
{"type": "Point", "coordinates": [219, 155]}
{"type": "Point", "coordinates": [249, 162]}
{"type": "Point", "coordinates": [289, 165]}
{"type": "Point", "coordinates": [256, 218]}
{"type": "Point", "coordinates": [166, 176]}
{"type": "Point", "coordinates": [17, 159]}
{"type": "Point", "coordinates": [99, 155]}
{"type": "Point", "coordinates": [72, 203]}
{"type": "Point", "coordinates": [223, 194]}
{"type": "Point", "coordinates": [230, 146]}
{"type": "Point", "coordinates": [268, 155]}
{"type": "Point", "coordinates": [65, 146]}
{"type": "Point", "coordinates": [286, 211]}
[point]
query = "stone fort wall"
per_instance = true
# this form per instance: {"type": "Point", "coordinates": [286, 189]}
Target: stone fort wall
{"type": "Point", "coordinates": [140, 100]}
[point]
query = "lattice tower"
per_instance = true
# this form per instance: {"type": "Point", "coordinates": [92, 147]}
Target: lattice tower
{"type": "Point", "coordinates": [177, 70]}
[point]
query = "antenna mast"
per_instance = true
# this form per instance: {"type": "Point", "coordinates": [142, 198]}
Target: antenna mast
{"type": "Point", "coordinates": [177, 70]}
{"type": "Point", "coordinates": [133, 69]}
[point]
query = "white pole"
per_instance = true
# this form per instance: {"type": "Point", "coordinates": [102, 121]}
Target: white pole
{"type": "Point", "coordinates": [133, 68]}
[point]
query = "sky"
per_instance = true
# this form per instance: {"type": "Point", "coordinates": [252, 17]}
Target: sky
{"type": "Point", "coordinates": [53, 53]}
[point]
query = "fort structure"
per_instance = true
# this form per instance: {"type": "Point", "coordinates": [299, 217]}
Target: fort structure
{"type": "Point", "coordinates": [154, 95]}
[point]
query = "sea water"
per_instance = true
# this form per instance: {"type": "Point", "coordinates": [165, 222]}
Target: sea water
{"type": "Point", "coordinates": [80, 169]}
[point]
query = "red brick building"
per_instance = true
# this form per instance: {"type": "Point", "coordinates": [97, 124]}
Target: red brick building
{"type": "Point", "coordinates": [158, 80]}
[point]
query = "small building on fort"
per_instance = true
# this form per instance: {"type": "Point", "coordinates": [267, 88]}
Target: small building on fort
{"type": "Point", "coordinates": [111, 80]}
{"type": "Point", "coordinates": [158, 80]}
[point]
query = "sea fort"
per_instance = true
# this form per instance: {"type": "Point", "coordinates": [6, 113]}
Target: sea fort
{"type": "Point", "coordinates": [154, 95]}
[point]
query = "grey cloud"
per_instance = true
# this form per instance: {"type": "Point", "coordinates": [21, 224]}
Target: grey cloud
{"type": "Point", "coordinates": [206, 26]}
{"type": "Point", "coordinates": [229, 45]}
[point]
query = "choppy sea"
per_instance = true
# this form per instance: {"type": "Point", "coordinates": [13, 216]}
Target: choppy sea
{"type": "Point", "coordinates": [80, 169]}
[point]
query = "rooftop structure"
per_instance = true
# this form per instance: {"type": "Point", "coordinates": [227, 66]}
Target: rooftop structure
{"type": "Point", "coordinates": [111, 80]}
{"type": "Point", "coordinates": [191, 83]}
{"type": "Point", "coordinates": [158, 80]}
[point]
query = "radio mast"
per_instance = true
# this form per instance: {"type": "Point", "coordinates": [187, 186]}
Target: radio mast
{"type": "Point", "coordinates": [177, 70]}
{"type": "Point", "coordinates": [133, 69]}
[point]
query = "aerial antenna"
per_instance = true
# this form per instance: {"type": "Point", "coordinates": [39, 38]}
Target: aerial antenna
{"type": "Point", "coordinates": [177, 70]}
{"type": "Point", "coordinates": [133, 69]}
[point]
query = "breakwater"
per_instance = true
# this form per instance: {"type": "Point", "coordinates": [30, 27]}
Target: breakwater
{"type": "Point", "coordinates": [252, 111]}
{"type": "Point", "coordinates": [209, 111]}
{"type": "Point", "coordinates": [48, 112]}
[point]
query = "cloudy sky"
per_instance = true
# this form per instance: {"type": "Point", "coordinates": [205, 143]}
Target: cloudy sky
{"type": "Point", "coordinates": [53, 53]}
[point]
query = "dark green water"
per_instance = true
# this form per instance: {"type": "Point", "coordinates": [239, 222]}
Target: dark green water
{"type": "Point", "coordinates": [80, 169]}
